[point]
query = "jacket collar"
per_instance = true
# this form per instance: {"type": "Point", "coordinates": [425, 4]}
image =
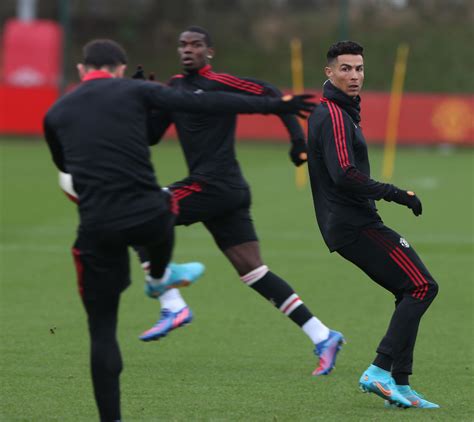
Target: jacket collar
{"type": "Point", "coordinates": [205, 69]}
{"type": "Point", "coordinates": [96, 74]}
{"type": "Point", "coordinates": [350, 104]}
{"type": "Point", "coordinates": [202, 71]}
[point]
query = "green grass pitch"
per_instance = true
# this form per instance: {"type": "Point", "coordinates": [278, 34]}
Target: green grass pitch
{"type": "Point", "coordinates": [240, 360]}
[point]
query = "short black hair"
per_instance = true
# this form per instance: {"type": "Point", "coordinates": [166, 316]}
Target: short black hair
{"type": "Point", "coordinates": [102, 52]}
{"type": "Point", "coordinates": [344, 47]}
{"type": "Point", "coordinates": [200, 30]}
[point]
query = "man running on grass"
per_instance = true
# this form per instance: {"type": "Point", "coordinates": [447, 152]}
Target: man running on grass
{"type": "Point", "coordinates": [216, 194]}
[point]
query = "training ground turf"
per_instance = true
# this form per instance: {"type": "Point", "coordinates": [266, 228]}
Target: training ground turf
{"type": "Point", "coordinates": [240, 360]}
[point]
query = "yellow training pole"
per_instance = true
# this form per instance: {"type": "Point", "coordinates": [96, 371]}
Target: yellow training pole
{"type": "Point", "coordinates": [394, 112]}
{"type": "Point", "coordinates": [298, 87]}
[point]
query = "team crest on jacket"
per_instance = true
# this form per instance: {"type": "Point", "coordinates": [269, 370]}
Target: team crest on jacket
{"type": "Point", "coordinates": [404, 243]}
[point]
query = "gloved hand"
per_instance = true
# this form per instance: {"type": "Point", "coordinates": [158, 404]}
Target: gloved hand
{"type": "Point", "coordinates": [407, 198]}
{"type": "Point", "coordinates": [298, 152]}
{"type": "Point", "coordinates": [295, 104]}
{"type": "Point", "coordinates": [139, 73]}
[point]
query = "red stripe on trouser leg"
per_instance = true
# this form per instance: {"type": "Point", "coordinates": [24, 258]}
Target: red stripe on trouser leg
{"type": "Point", "coordinates": [402, 260]}
{"type": "Point", "coordinates": [185, 191]}
{"type": "Point", "coordinates": [423, 288]}
{"type": "Point", "coordinates": [381, 241]}
{"type": "Point", "coordinates": [76, 253]}
{"type": "Point", "coordinates": [182, 194]}
{"type": "Point", "coordinates": [72, 197]}
{"type": "Point", "coordinates": [406, 271]}
{"type": "Point", "coordinates": [174, 205]}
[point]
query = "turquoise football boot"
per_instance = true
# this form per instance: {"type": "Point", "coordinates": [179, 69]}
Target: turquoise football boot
{"type": "Point", "coordinates": [416, 399]}
{"type": "Point", "coordinates": [176, 275]}
{"type": "Point", "coordinates": [377, 380]}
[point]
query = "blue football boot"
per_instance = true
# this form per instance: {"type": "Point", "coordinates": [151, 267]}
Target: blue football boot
{"type": "Point", "coordinates": [377, 380]}
{"type": "Point", "coordinates": [168, 321]}
{"type": "Point", "coordinates": [416, 399]}
{"type": "Point", "coordinates": [176, 275]}
{"type": "Point", "coordinates": [327, 351]}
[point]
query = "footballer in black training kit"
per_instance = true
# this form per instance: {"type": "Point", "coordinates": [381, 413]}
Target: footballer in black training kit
{"type": "Point", "coordinates": [98, 133]}
{"type": "Point", "coordinates": [216, 193]}
{"type": "Point", "coordinates": [344, 195]}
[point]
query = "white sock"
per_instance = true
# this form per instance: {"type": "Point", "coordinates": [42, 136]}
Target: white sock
{"type": "Point", "coordinates": [315, 330]}
{"type": "Point", "coordinates": [172, 300]}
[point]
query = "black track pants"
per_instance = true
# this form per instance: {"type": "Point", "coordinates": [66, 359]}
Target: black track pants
{"type": "Point", "coordinates": [391, 262]}
{"type": "Point", "coordinates": [106, 361]}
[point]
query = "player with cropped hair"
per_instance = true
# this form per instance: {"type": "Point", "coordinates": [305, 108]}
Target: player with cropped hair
{"type": "Point", "coordinates": [98, 134]}
{"type": "Point", "coordinates": [216, 194]}
{"type": "Point", "coordinates": [344, 195]}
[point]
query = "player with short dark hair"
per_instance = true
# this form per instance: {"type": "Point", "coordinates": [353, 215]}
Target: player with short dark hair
{"type": "Point", "coordinates": [103, 52]}
{"type": "Point", "coordinates": [216, 194]}
{"type": "Point", "coordinates": [98, 133]}
{"type": "Point", "coordinates": [344, 195]}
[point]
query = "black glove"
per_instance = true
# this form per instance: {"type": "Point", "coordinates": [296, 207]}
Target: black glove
{"type": "Point", "coordinates": [298, 152]}
{"type": "Point", "coordinates": [293, 104]}
{"type": "Point", "coordinates": [139, 73]}
{"type": "Point", "coordinates": [407, 198]}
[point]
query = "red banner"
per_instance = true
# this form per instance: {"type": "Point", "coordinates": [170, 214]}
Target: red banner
{"type": "Point", "coordinates": [424, 118]}
{"type": "Point", "coordinates": [22, 109]}
{"type": "Point", "coordinates": [31, 53]}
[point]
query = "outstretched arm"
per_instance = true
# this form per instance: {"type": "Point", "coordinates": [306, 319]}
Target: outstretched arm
{"type": "Point", "coordinates": [290, 121]}
{"type": "Point", "coordinates": [222, 102]}
{"type": "Point", "coordinates": [298, 151]}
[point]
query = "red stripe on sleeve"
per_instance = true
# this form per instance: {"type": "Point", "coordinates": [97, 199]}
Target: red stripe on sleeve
{"type": "Point", "coordinates": [241, 82]}
{"type": "Point", "coordinates": [336, 131]}
{"type": "Point", "coordinates": [234, 82]}
{"type": "Point", "coordinates": [343, 136]}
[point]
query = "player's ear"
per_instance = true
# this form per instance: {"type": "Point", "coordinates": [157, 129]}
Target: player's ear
{"type": "Point", "coordinates": [120, 71]}
{"type": "Point", "coordinates": [210, 53]}
{"type": "Point", "coordinates": [328, 71]}
{"type": "Point", "coordinates": [81, 70]}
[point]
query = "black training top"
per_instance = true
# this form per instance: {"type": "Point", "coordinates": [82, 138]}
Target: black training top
{"type": "Point", "coordinates": [99, 134]}
{"type": "Point", "coordinates": [343, 192]}
{"type": "Point", "coordinates": [208, 140]}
